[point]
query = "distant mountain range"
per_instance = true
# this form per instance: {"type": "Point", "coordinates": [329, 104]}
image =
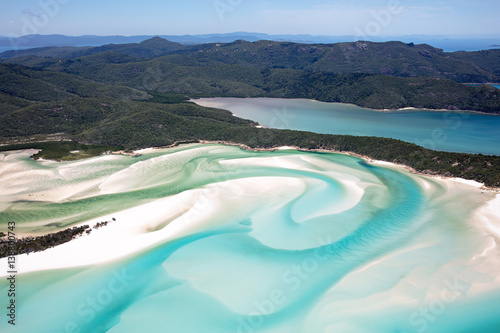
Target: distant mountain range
{"type": "Point", "coordinates": [388, 75]}
{"type": "Point", "coordinates": [389, 58]}
{"type": "Point", "coordinates": [443, 42]}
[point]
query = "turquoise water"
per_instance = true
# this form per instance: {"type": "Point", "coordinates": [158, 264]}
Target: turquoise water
{"type": "Point", "coordinates": [281, 241]}
{"type": "Point", "coordinates": [446, 131]}
{"type": "Point", "coordinates": [493, 85]}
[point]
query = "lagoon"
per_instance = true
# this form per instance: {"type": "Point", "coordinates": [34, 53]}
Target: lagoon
{"type": "Point", "coordinates": [213, 238]}
{"type": "Point", "coordinates": [467, 132]}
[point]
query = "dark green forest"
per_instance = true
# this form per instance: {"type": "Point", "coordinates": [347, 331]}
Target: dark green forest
{"type": "Point", "coordinates": [137, 95]}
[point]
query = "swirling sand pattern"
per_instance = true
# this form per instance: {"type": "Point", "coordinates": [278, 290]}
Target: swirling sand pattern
{"type": "Point", "coordinates": [213, 238]}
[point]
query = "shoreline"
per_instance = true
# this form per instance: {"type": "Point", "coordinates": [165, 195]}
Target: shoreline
{"type": "Point", "coordinates": [126, 237]}
{"type": "Point", "coordinates": [139, 152]}
{"type": "Point", "coordinates": [408, 108]}
{"type": "Point", "coordinates": [366, 158]}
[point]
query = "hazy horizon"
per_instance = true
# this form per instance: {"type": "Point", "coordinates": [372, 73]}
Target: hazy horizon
{"type": "Point", "coordinates": [369, 18]}
{"type": "Point", "coordinates": [436, 36]}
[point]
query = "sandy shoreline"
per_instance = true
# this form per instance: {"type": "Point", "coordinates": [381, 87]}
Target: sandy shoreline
{"type": "Point", "coordinates": [140, 228]}
{"type": "Point", "coordinates": [367, 158]}
{"type": "Point", "coordinates": [126, 236]}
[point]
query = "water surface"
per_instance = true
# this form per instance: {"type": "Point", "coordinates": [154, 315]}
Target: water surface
{"type": "Point", "coordinates": [466, 132]}
{"type": "Point", "coordinates": [281, 241]}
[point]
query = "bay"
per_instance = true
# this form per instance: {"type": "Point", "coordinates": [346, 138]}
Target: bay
{"type": "Point", "coordinates": [453, 131]}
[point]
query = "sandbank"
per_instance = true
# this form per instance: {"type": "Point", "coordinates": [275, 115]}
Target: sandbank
{"type": "Point", "coordinates": [140, 228]}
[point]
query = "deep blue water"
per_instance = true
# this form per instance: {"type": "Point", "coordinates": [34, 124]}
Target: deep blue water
{"type": "Point", "coordinates": [468, 132]}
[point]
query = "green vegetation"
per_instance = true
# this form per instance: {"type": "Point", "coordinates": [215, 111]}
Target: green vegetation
{"type": "Point", "coordinates": [142, 134]}
{"type": "Point", "coordinates": [11, 246]}
{"type": "Point", "coordinates": [71, 151]}
{"type": "Point", "coordinates": [171, 83]}
{"type": "Point", "coordinates": [168, 98]}
{"type": "Point", "coordinates": [41, 243]}
{"type": "Point", "coordinates": [487, 60]}
{"type": "Point", "coordinates": [120, 100]}
{"type": "Point", "coordinates": [62, 151]}
{"type": "Point", "coordinates": [28, 85]}
{"type": "Point", "coordinates": [482, 168]}
{"type": "Point", "coordinates": [151, 48]}
{"type": "Point", "coordinates": [390, 58]}
{"type": "Point", "coordinates": [388, 75]}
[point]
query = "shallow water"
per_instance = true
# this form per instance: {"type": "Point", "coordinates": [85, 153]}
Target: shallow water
{"type": "Point", "coordinates": [454, 131]}
{"type": "Point", "coordinates": [281, 241]}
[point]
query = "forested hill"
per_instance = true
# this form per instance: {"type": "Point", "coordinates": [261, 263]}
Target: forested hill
{"type": "Point", "coordinates": [150, 48]}
{"type": "Point", "coordinates": [22, 87]}
{"type": "Point", "coordinates": [160, 77]}
{"type": "Point", "coordinates": [151, 110]}
{"type": "Point", "coordinates": [389, 58]}
{"type": "Point", "coordinates": [388, 75]}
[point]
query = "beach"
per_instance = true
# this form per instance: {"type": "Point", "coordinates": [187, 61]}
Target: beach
{"type": "Point", "coordinates": [338, 237]}
{"type": "Point", "coordinates": [139, 228]}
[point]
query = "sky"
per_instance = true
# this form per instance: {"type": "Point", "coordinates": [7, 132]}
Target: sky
{"type": "Point", "coordinates": [314, 17]}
